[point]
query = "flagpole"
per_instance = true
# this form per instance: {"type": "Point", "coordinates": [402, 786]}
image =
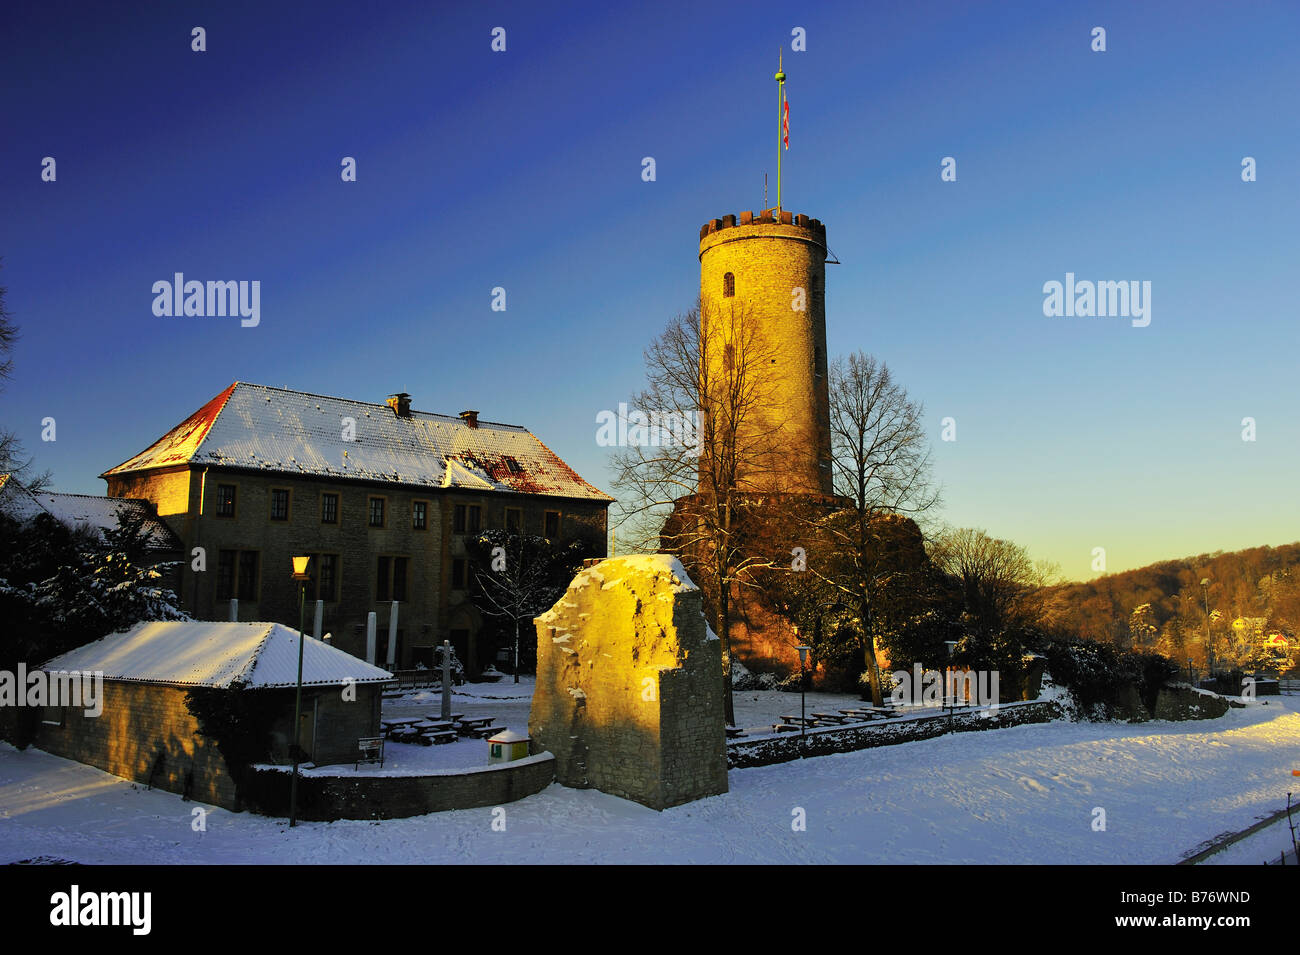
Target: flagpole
{"type": "Point", "coordinates": [780, 121]}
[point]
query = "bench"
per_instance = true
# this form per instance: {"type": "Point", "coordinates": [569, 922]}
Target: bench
{"type": "Point", "coordinates": [370, 749]}
{"type": "Point", "coordinates": [483, 732]}
{"type": "Point", "coordinates": [734, 731]}
{"type": "Point", "coordinates": [784, 728]}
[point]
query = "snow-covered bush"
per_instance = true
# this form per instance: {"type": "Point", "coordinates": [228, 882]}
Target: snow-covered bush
{"type": "Point", "coordinates": [743, 679]}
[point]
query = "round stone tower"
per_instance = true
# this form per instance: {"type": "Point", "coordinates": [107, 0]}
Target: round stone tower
{"type": "Point", "coordinates": [767, 275]}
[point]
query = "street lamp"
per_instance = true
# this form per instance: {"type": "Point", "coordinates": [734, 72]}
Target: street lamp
{"type": "Point", "coordinates": [299, 574]}
{"type": "Point", "coordinates": [803, 658]}
{"type": "Point", "coordinates": [1209, 645]}
{"type": "Point", "coordinates": [948, 682]}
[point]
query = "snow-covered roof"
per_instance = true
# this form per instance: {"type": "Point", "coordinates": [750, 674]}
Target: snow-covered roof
{"type": "Point", "coordinates": [73, 509]}
{"type": "Point", "coordinates": [16, 501]}
{"type": "Point", "coordinates": [509, 736]}
{"type": "Point", "coordinates": [292, 432]}
{"type": "Point", "coordinates": [215, 654]}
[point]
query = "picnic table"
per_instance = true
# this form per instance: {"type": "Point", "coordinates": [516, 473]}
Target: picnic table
{"type": "Point", "coordinates": [420, 729]}
{"type": "Point", "coordinates": [834, 718]}
{"type": "Point", "coordinates": [811, 721]}
{"type": "Point", "coordinates": [472, 727]}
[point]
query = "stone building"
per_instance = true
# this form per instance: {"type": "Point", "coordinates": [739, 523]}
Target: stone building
{"type": "Point", "coordinates": [138, 725]}
{"type": "Point", "coordinates": [770, 270]}
{"type": "Point", "coordinates": [382, 497]}
{"type": "Point", "coordinates": [763, 307]}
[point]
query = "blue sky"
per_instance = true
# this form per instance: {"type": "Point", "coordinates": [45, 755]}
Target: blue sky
{"type": "Point", "coordinates": [522, 169]}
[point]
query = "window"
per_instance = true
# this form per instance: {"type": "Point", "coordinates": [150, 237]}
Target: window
{"type": "Point", "coordinates": [377, 512]}
{"type": "Point", "coordinates": [53, 715]}
{"type": "Point", "coordinates": [399, 578]}
{"type": "Point", "coordinates": [390, 579]}
{"type": "Point", "coordinates": [459, 573]}
{"type": "Point", "coordinates": [514, 519]}
{"type": "Point", "coordinates": [324, 571]}
{"type": "Point", "coordinates": [420, 515]}
{"type": "Point", "coordinates": [247, 576]}
{"type": "Point", "coordinates": [225, 500]}
{"type": "Point", "coordinates": [237, 574]}
{"type": "Point", "coordinates": [728, 285]}
{"type": "Point", "coordinates": [279, 504]}
{"type": "Point", "coordinates": [552, 530]}
{"type": "Point", "coordinates": [329, 508]}
{"type": "Point", "coordinates": [467, 519]}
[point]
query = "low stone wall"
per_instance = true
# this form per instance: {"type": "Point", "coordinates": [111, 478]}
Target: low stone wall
{"type": "Point", "coordinates": [1185, 703]}
{"type": "Point", "coordinates": [744, 753]}
{"type": "Point", "coordinates": [352, 795]}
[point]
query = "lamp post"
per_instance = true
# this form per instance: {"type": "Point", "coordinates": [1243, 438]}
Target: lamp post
{"type": "Point", "coordinates": [1209, 646]}
{"type": "Point", "coordinates": [803, 657]}
{"type": "Point", "coordinates": [299, 574]}
{"type": "Point", "coordinates": [948, 682]}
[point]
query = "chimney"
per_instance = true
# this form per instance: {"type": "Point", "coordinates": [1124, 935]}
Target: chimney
{"type": "Point", "coordinates": [470, 418]}
{"type": "Point", "coordinates": [401, 404]}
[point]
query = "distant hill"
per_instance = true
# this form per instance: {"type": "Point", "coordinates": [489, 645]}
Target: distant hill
{"type": "Point", "coordinates": [1252, 594]}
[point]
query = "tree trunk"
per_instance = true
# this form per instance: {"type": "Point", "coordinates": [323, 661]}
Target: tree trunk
{"type": "Point", "coordinates": [724, 627]}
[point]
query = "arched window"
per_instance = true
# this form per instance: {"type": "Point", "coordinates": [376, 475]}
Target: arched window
{"type": "Point", "coordinates": [728, 285]}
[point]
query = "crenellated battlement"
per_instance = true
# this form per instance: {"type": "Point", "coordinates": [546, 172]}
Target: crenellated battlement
{"type": "Point", "coordinates": [766, 217]}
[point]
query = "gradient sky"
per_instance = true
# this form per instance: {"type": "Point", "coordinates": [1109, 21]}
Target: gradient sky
{"type": "Point", "coordinates": [522, 169]}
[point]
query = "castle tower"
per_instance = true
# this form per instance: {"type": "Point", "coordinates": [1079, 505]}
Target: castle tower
{"type": "Point", "coordinates": [767, 275]}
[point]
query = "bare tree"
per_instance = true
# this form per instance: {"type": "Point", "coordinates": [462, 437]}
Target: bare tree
{"type": "Point", "coordinates": [13, 457]}
{"type": "Point", "coordinates": [1000, 585]}
{"type": "Point", "coordinates": [697, 496]}
{"type": "Point", "coordinates": [882, 468]}
{"type": "Point", "coordinates": [516, 581]}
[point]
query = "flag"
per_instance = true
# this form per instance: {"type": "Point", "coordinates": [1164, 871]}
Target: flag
{"type": "Point", "coordinates": [786, 126]}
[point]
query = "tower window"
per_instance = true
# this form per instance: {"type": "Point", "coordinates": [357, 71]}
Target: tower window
{"type": "Point", "coordinates": [728, 285]}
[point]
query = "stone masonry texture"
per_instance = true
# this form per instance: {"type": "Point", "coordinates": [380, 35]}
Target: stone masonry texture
{"type": "Point", "coordinates": [629, 694]}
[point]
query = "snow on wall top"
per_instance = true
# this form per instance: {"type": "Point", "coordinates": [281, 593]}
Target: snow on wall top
{"type": "Point", "coordinates": [617, 571]}
{"type": "Point", "coordinates": [292, 432]}
{"type": "Point", "coordinates": [215, 654]}
{"type": "Point", "coordinates": [74, 509]}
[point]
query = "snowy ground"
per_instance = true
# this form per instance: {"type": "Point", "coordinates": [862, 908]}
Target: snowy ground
{"type": "Point", "coordinates": [1020, 795]}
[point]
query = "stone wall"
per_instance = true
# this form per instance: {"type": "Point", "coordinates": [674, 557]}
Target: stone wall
{"type": "Point", "coordinates": [146, 734]}
{"type": "Point", "coordinates": [820, 742]}
{"type": "Point", "coordinates": [352, 795]}
{"type": "Point", "coordinates": [629, 685]}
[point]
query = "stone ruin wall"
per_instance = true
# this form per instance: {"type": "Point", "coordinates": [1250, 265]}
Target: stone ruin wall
{"type": "Point", "coordinates": [629, 685]}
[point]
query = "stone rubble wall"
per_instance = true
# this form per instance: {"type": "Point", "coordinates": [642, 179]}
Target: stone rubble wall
{"type": "Point", "coordinates": [629, 685]}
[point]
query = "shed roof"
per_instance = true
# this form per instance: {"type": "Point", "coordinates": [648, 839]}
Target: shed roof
{"type": "Point", "coordinates": [216, 654]}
